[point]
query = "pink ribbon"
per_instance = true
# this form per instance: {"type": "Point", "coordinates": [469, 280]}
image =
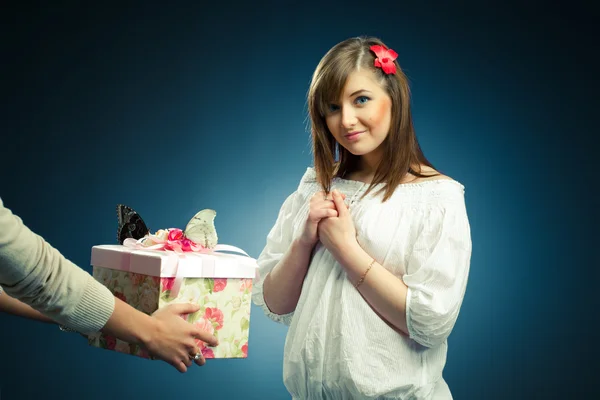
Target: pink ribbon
{"type": "Point", "coordinates": [175, 246]}
{"type": "Point", "coordinates": [175, 241]}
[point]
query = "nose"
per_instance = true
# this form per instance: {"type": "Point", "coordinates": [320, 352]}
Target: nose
{"type": "Point", "coordinates": [348, 117]}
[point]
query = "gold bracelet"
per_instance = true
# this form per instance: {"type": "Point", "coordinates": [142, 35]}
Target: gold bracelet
{"type": "Point", "coordinates": [362, 278]}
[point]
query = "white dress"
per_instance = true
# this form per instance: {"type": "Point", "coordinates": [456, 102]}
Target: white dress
{"type": "Point", "coordinates": [336, 346]}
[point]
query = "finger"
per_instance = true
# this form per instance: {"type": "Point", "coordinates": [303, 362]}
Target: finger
{"type": "Point", "coordinates": [187, 361]}
{"type": "Point", "coordinates": [330, 195]}
{"type": "Point", "coordinates": [331, 213]}
{"type": "Point", "coordinates": [318, 196]}
{"type": "Point", "coordinates": [183, 308]}
{"type": "Point", "coordinates": [328, 200]}
{"type": "Point", "coordinates": [339, 203]}
{"type": "Point", "coordinates": [192, 345]}
{"type": "Point", "coordinates": [325, 204]}
{"type": "Point", "coordinates": [205, 337]}
{"type": "Point", "coordinates": [179, 366]}
{"type": "Point", "coordinates": [201, 361]}
{"type": "Point", "coordinates": [318, 215]}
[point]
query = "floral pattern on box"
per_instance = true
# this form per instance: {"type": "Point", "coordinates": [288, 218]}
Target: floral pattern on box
{"type": "Point", "coordinates": [224, 308]}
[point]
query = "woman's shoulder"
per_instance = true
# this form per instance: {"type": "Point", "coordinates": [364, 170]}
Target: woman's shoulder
{"type": "Point", "coordinates": [309, 181]}
{"type": "Point", "coordinates": [428, 174]}
{"type": "Point", "coordinates": [310, 176]}
{"type": "Point", "coordinates": [431, 188]}
{"type": "Point", "coordinates": [428, 177]}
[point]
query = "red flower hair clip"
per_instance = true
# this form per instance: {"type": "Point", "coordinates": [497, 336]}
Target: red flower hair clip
{"type": "Point", "coordinates": [385, 58]}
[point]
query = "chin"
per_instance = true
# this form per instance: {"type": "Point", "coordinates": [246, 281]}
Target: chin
{"type": "Point", "coordinates": [358, 150]}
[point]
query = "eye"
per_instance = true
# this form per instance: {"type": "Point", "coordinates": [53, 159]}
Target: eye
{"type": "Point", "coordinates": [332, 108]}
{"type": "Point", "coordinates": [361, 100]}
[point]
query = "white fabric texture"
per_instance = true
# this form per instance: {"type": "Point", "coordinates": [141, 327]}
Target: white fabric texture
{"type": "Point", "coordinates": [337, 347]}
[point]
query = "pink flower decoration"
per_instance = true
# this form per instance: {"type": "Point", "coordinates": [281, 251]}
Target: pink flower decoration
{"type": "Point", "coordinates": [204, 325]}
{"type": "Point", "coordinates": [207, 353]}
{"type": "Point", "coordinates": [175, 234]}
{"type": "Point", "coordinates": [385, 58]}
{"type": "Point", "coordinates": [167, 283]}
{"type": "Point", "coordinates": [138, 279]}
{"type": "Point", "coordinates": [245, 349]}
{"type": "Point", "coordinates": [181, 245]}
{"type": "Point", "coordinates": [186, 244]}
{"type": "Point", "coordinates": [175, 240]}
{"type": "Point", "coordinates": [215, 316]}
{"type": "Point", "coordinates": [246, 285]}
{"type": "Point", "coordinates": [220, 284]}
{"type": "Point", "coordinates": [111, 342]}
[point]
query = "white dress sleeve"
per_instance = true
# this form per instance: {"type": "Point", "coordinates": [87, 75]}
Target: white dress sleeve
{"type": "Point", "coordinates": [437, 273]}
{"type": "Point", "coordinates": [279, 240]}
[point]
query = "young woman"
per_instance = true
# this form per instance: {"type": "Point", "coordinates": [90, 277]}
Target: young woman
{"type": "Point", "coordinates": [369, 258]}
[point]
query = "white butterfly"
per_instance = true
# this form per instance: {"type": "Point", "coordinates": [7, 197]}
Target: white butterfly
{"type": "Point", "coordinates": [201, 229]}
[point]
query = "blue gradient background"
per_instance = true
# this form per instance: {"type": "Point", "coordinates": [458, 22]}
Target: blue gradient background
{"type": "Point", "coordinates": [174, 109]}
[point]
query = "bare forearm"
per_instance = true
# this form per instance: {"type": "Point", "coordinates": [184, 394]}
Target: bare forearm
{"type": "Point", "coordinates": [129, 324]}
{"type": "Point", "coordinates": [384, 292]}
{"type": "Point", "coordinates": [126, 323]}
{"type": "Point", "coordinates": [283, 285]}
{"type": "Point", "coordinates": [15, 307]}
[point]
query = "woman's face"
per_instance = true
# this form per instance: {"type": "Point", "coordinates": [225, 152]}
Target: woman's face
{"type": "Point", "coordinates": [360, 120]}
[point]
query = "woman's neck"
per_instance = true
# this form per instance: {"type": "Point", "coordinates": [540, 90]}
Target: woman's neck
{"type": "Point", "coordinates": [361, 173]}
{"type": "Point", "coordinates": [366, 167]}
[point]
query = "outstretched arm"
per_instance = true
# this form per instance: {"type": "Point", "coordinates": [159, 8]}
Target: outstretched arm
{"type": "Point", "coordinates": [37, 274]}
{"type": "Point", "coordinates": [48, 285]}
{"type": "Point", "coordinates": [15, 307]}
{"type": "Point", "coordinates": [165, 334]}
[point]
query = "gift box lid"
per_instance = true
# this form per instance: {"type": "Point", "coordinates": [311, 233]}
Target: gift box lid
{"type": "Point", "coordinates": [171, 264]}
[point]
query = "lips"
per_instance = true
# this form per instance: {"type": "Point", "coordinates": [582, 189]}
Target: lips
{"type": "Point", "coordinates": [353, 135]}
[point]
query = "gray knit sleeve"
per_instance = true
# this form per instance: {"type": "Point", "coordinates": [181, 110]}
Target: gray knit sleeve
{"type": "Point", "coordinates": [34, 272]}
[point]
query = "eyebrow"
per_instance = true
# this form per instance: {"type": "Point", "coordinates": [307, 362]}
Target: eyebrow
{"type": "Point", "coordinates": [359, 91]}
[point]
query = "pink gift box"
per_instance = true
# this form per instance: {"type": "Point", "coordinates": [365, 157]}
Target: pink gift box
{"type": "Point", "coordinates": [220, 283]}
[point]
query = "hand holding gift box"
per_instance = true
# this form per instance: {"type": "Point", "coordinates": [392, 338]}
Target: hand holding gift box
{"type": "Point", "coordinates": [151, 271]}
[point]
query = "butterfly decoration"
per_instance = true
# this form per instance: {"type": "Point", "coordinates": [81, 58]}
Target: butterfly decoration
{"type": "Point", "coordinates": [131, 224]}
{"type": "Point", "coordinates": [200, 229]}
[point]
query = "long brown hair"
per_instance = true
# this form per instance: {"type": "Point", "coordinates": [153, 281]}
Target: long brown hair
{"type": "Point", "coordinates": [402, 153]}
